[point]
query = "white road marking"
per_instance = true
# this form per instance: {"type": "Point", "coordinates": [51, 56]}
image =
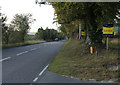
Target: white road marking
{"type": "Point", "coordinates": [19, 53]}
{"type": "Point", "coordinates": [5, 59]}
{"type": "Point", "coordinates": [25, 51]}
{"type": "Point", "coordinates": [43, 70]}
{"type": "Point", "coordinates": [22, 53]}
{"type": "Point", "coordinates": [35, 79]}
{"type": "Point", "coordinates": [33, 49]}
{"type": "Point", "coordinates": [40, 73]}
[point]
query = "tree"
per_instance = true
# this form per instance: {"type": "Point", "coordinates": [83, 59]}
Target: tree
{"type": "Point", "coordinates": [21, 23]}
{"type": "Point", "coordinates": [5, 29]}
{"type": "Point", "coordinates": [40, 34]}
{"type": "Point", "coordinates": [91, 15]}
{"type": "Point", "coordinates": [48, 34]}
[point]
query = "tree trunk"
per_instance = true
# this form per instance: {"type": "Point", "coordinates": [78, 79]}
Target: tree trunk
{"type": "Point", "coordinates": [95, 36]}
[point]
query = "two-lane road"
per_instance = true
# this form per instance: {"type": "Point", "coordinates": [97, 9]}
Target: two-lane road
{"type": "Point", "coordinates": [29, 64]}
{"type": "Point", "coordinates": [23, 64]}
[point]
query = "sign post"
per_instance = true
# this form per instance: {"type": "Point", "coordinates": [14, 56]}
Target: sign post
{"type": "Point", "coordinates": [79, 31]}
{"type": "Point", "coordinates": [107, 44]}
{"type": "Point", "coordinates": [107, 30]}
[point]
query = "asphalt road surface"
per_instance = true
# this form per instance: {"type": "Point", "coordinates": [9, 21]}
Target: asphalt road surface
{"type": "Point", "coordinates": [23, 64]}
{"type": "Point", "coordinates": [29, 64]}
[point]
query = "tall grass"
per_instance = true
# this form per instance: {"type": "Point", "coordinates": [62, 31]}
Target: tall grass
{"type": "Point", "coordinates": [75, 60]}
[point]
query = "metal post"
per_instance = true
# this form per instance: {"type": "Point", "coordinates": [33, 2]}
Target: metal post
{"type": "Point", "coordinates": [0, 47]}
{"type": "Point", "coordinates": [79, 31]}
{"type": "Point", "coordinates": [107, 44]}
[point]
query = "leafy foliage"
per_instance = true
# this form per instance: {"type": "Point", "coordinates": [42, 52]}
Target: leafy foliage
{"type": "Point", "coordinates": [5, 29]}
{"type": "Point", "coordinates": [48, 34]}
{"type": "Point", "coordinates": [17, 30]}
{"type": "Point", "coordinates": [21, 23]}
{"type": "Point", "coordinates": [91, 15]}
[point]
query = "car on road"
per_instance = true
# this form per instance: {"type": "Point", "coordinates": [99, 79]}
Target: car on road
{"type": "Point", "coordinates": [56, 39]}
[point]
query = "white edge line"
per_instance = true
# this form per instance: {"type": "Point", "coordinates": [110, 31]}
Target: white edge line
{"type": "Point", "coordinates": [35, 79]}
{"type": "Point", "coordinates": [43, 70]}
{"type": "Point", "coordinates": [40, 73]}
{"type": "Point", "coordinates": [5, 59]}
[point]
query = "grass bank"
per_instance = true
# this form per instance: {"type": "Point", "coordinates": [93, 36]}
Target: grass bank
{"type": "Point", "coordinates": [22, 44]}
{"type": "Point", "coordinates": [75, 60]}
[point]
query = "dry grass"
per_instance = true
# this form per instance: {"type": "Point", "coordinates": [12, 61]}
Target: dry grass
{"type": "Point", "coordinates": [21, 44]}
{"type": "Point", "coordinates": [75, 60]}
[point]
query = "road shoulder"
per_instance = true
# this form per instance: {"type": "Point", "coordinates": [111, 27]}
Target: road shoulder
{"type": "Point", "coordinates": [50, 77]}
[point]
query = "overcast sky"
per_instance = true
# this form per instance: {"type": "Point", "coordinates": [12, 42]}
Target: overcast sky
{"type": "Point", "coordinates": [44, 15]}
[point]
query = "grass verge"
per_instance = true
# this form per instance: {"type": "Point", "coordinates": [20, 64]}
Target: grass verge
{"type": "Point", "coordinates": [75, 60]}
{"type": "Point", "coordinates": [21, 44]}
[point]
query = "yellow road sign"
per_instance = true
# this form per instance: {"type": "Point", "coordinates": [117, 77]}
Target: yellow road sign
{"type": "Point", "coordinates": [107, 30]}
{"type": "Point", "coordinates": [83, 33]}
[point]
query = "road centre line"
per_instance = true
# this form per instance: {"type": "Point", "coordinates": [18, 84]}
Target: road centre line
{"type": "Point", "coordinates": [22, 53]}
{"type": "Point", "coordinates": [25, 51]}
{"type": "Point", "coordinates": [33, 49]}
{"type": "Point", "coordinates": [5, 59]}
{"type": "Point", "coordinates": [19, 53]}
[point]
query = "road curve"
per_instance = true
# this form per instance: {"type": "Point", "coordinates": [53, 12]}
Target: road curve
{"type": "Point", "coordinates": [23, 64]}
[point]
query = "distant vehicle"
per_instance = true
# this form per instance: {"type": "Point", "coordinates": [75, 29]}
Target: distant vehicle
{"type": "Point", "coordinates": [56, 39]}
